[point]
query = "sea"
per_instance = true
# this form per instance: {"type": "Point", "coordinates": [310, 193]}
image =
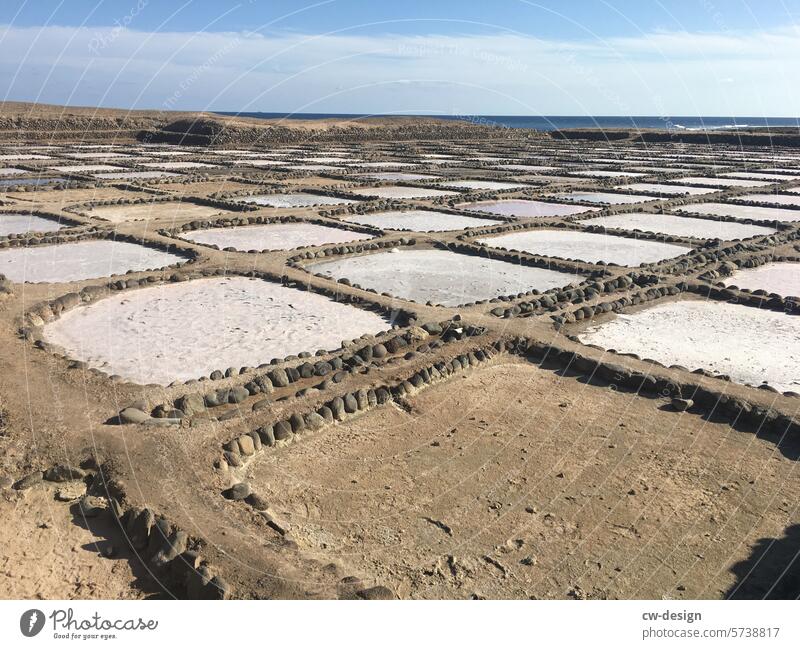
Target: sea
{"type": "Point", "coordinates": [559, 122]}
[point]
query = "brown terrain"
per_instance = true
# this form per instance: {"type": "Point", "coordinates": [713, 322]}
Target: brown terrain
{"type": "Point", "coordinates": [505, 459]}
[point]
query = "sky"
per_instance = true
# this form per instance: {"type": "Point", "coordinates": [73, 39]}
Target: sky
{"type": "Point", "coordinates": [490, 57]}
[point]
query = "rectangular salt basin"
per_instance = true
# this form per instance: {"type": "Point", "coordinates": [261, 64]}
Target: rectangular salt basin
{"type": "Point", "coordinates": [68, 262]}
{"type": "Point", "coordinates": [526, 208]}
{"type": "Point", "coordinates": [135, 175]}
{"type": "Point", "coordinates": [587, 246]}
{"type": "Point", "coordinates": [666, 190]}
{"type": "Point", "coordinates": [419, 221]}
{"type": "Point", "coordinates": [777, 199]}
{"type": "Point", "coordinates": [721, 182]}
{"type": "Point", "coordinates": [187, 330]}
{"type": "Point", "coordinates": [441, 276]}
{"type": "Point", "coordinates": [78, 169]}
{"type": "Point", "coordinates": [757, 175]}
{"type": "Point", "coordinates": [10, 182]}
{"type": "Point", "coordinates": [743, 211]}
{"type": "Point", "coordinates": [178, 164]}
{"type": "Point", "coordinates": [488, 185]}
{"type": "Point", "coordinates": [750, 345]}
{"type": "Point", "coordinates": [279, 236]}
{"type": "Point", "coordinates": [604, 197]}
{"type": "Point", "coordinates": [19, 223]}
{"type": "Point", "coordinates": [782, 278]}
{"type": "Point", "coordinates": [11, 171]}
{"type": "Point", "coordinates": [602, 173]}
{"type": "Point", "coordinates": [398, 175]}
{"type": "Point", "coordinates": [682, 226]}
{"type": "Point", "coordinates": [401, 192]}
{"type": "Point", "coordinates": [294, 200]}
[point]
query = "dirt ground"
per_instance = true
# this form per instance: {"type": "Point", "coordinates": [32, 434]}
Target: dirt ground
{"type": "Point", "coordinates": [483, 489]}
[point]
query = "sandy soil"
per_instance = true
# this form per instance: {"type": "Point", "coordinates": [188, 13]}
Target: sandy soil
{"type": "Point", "coordinates": [782, 278]}
{"type": "Point", "coordinates": [513, 482]}
{"type": "Point", "coordinates": [440, 276]}
{"type": "Point", "coordinates": [521, 207]}
{"type": "Point", "coordinates": [19, 223]}
{"type": "Point", "coordinates": [82, 260]}
{"type": "Point", "coordinates": [587, 246]}
{"type": "Point", "coordinates": [743, 211]}
{"type": "Point", "coordinates": [281, 236]}
{"type": "Point", "coordinates": [750, 345]}
{"type": "Point", "coordinates": [170, 211]}
{"type": "Point", "coordinates": [680, 226]}
{"type": "Point", "coordinates": [419, 220]}
{"type": "Point", "coordinates": [183, 331]}
{"type": "Point", "coordinates": [48, 551]}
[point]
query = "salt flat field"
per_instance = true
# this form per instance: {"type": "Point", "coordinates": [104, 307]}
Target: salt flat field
{"type": "Point", "coordinates": [604, 197]}
{"type": "Point", "coordinates": [419, 220]}
{"type": "Point", "coordinates": [294, 200]}
{"type": "Point", "coordinates": [402, 192]}
{"type": "Point", "coordinates": [279, 236]}
{"type": "Point", "coordinates": [780, 278]}
{"type": "Point", "coordinates": [742, 211]}
{"type": "Point", "coordinates": [700, 334]}
{"type": "Point", "coordinates": [66, 262]}
{"type": "Point", "coordinates": [587, 246]}
{"type": "Point", "coordinates": [183, 331]}
{"type": "Point", "coordinates": [525, 208]}
{"type": "Point", "coordinates": [683, 226]}
{"type": "Point", "coordinates": [440, 276]}
{"type": "Point", "coordinates": [666, 190]}
{"type": "Point", "coordinates": [11, 223]}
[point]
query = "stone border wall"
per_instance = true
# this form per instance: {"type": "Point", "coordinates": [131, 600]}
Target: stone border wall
{"type": "Point", "coordinates": [56, 218]}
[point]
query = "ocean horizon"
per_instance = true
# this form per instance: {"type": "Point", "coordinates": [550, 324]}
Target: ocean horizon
{"type": "Point", "coordinates": [560, 122]}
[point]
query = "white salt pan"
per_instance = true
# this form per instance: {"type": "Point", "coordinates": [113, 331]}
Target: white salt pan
{"type": "Point", "coordinates": [419, 221]}
{"type": "Point", "coordinates": [780, 278]}
{"type": "Point", "coordinates": [281, 236]}
{"type": "Point", "coordinates": [441, 276]}
{"type": "Point", "coordinates": [294, 200]}
{"type": "Point", "coordinates": [19, 223]}
{"type": "Point", "coordinates": [680, 226]}
{"type": "Point", "coordinates": [187, 330]}
{"type": "Point", "coordinates": [588, 246]}
{"type": "Point", "coordinates": [748, 344]}
{"type": "Point", "coordinates": [742, 211]}
{"type": "Point", "coordinates": [68, 262]}
{"type": "Point", "coordinates": [401, 192]}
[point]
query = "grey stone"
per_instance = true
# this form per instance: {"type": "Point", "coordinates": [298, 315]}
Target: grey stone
{"type": "Point", "coordinates": [133, 416]}
{"type": "Point", "coordinates": [239, 491]}
{"type": "Point", "coordinates": [63, 473]}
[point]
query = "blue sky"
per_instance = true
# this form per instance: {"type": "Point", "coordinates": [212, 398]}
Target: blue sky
{"type": "Point", "coordinates": [582, 57]}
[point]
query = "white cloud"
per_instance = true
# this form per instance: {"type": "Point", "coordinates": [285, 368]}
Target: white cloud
{"type": "Point", "coordinates": [662, 73]}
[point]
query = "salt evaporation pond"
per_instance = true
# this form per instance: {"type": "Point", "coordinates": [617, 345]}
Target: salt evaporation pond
{"type": "Point", "coordinates": [666, 190]}
{"type": "Point", "coordinates": [279, 236]}
{"type": "Point", "coordinates": [293, 200]}
{"type": "Point", "coordinates": [68, 262]}
{"type": "Point", "coordinates": [19, 223]}
{"type": "Point", "coordinates": [682, 226]}
{"type": "Point", "coordinates": [398, 175]}
{"type": "Point", "coordinates": [419, 221]}
{"type": "Point", "coordinates": [526, 208]}
{"type": "Point", "coordinates": [604, 197]}
{"type": "Point", "coordinates": [777, 199]}
{"type": "Point", "coordinates": [401, 192]}
{"type": "Point", "coordinates": [587, 246]}
{"type": "Point", "coordinates": [488, 185]}
{"type": "Point", "coordinates": [440, 276]}
{"type": "Point", "coordinates": [781, 278]}
{"type": "Point", "coordinates": [750, 345]}
{"type": "Point", "coordinates": [721, 182]}
{"type": "Point", "coordinates": [742, 211]}
{"type": "Point", "coordinates": [135, 175]}
{"type": "Point", "coordinates": [186, 330]}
